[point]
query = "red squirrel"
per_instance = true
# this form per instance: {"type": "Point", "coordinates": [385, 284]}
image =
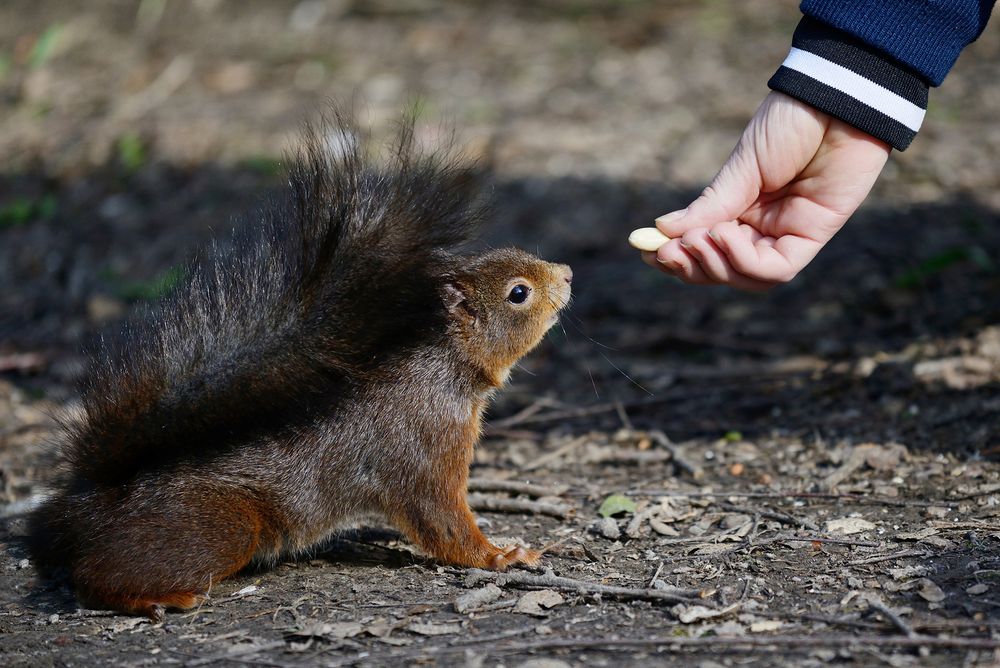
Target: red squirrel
{"type": "Point", "coordinates": [332, 365]}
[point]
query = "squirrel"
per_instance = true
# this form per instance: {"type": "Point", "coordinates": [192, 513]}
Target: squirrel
{"type": "Point", "coordinates": [331, 365]}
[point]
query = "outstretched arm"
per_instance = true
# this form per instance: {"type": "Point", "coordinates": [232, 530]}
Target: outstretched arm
{"type": "Point", "coordinates": [854, 85]}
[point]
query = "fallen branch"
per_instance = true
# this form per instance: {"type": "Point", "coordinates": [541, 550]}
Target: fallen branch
{"type": "Point", "coordinates": [555, 454]}
{"type": "Point", "coordinates": [888, 557]}
{"type": "Point", "coordinates": [754, 642]}
{"type": "Point", "coordinates": [770, 514]}
{"type": "Point", "coordinates": [763, 643]}
{"type": "Point", "coordinates": [235, 652]}
{"type": "Point", "coordinates": [791, 494]}
{"type": "Point", "coordinates": [514, 487]}
{"type": "Point", "coordinates": [680, 459]}
{"type": "Point", "coordinates": [502, 505]}
{"type": "Point", "coordinates": [875, 603]}
{"type": "Point", "coordinates": [551, 581]}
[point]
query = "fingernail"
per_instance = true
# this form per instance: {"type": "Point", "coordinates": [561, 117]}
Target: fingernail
{"type": "Point", "coordinates": [714, 235]}
{"type": "Point", "coordinates": [669, 264]}
{"type": "Point", "coordinates": [686, 245]}
{"type": "Point", "coordinates": [672, 216]}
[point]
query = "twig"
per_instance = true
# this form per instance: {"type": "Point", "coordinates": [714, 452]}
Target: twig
{"type": "Point", "coordinates": [623, 416]}
{"type": "Point", "coordinates": [509, 633]}
{"type": "Point", "coordinates": [520, 434]}
{"type": "Point", "coordinates": [617, 456]}
{"type": "Point", "coordinates": [833, 541]}
{"type": "Point", "coordinates": [240, 651]}
{"type": "Point", "coordinates": [793, 494]}
{"type": "Point", "coordinates": [753, 544]}
{"type": "Point", "coordinates": [753, 642]}
{"type": "Point", "coordinates": [656, 574]}
{"type": "Point", "coordinates": [493, 607]}
{"type": "Point", "coordinates": [680, 460]}
{"type": "Point", "coordinates": [770, 514]}
{"type": "Point", "coordinates": [525, 413]}
{"type": "Point", "coordinates": [502, 505]}
{"type": "Point", "coordinates": [555, 454]}
{"type": "Point", "coordinates": [888, 557]}
{"type": "Point", "coordinates": [514, 487]}
{"type": "Point", "coordinates": [548, 580]}
{"type": "Point", "coordinates": [710, 642]}
{"type": "Point", "coordinates": [875, 603]}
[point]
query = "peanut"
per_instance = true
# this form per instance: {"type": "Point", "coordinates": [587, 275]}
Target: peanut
{"type": "Point", "coordinates": [647, 239]}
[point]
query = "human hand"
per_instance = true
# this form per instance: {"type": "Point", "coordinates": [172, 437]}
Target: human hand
{"type": "Point", "coordinates": [791, 183]}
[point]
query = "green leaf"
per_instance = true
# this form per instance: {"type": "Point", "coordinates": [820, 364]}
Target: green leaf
{"type": "Point", "coordinates": [131, 153]}
{"type": "Point", "coordinates": [45, 46]}
{"type": "Point", "coordinates": [616, 504]}
{"type": "Point", "coordinates": [733, 436]}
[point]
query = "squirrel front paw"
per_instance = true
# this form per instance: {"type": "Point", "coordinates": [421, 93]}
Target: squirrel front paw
{"type": "Point", "coordinates": [514, 554]}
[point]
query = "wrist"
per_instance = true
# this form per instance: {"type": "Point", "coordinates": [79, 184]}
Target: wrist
{"type": "Point", "coordinates": [837, 74]}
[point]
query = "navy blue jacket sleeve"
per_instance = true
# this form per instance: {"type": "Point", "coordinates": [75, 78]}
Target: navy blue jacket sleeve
{"type": "Point", "coordinates": [870, 63]}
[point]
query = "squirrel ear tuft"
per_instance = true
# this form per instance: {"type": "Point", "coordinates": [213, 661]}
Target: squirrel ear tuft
{"type": "Point", "coordinates": [456, 300]}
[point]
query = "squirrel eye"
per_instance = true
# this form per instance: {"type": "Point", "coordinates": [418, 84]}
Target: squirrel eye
{"type": "Point", "coordinates": [518, 294]}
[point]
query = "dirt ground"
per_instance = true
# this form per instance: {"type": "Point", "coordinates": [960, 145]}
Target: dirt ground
{"type": "Point", "coordinates": [796, 478]}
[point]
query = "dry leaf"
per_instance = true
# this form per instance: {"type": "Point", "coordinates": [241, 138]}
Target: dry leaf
{"type": "Point", "coordinates": [126, 624]}
{"type": "Point", "coordinates": [766, 625]}
{"type": "Point", "coordinates": [532, 602]}
{"type": "Point", "coordinates": [335, 630]}
{"type": "Point", "coordinates": [429, 629]}
{"type": "Point", "coordinates": [929, 591]}
{"type": "Point", "coordinates": [849, 525]}
{"type": "Point", "coordinates": [917, 535]}
{"type": "Point", "coordinates": [688, 614]}
{"type": "Point", "coordinates": [477, 598]}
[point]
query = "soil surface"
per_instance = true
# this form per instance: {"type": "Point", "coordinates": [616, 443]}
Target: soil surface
{"type": "Point", "coordinates": [795, 478]}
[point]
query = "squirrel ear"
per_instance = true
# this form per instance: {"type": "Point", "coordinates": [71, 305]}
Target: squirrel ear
{"type": "Point", "coordinates": [457, 302]}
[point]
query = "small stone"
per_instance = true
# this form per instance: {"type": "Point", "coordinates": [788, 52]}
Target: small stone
{"type": "Point", "coordinates": [608, 528]}
{"type": "Point", "coordinates": [24, 563]}
{"type": "Point", "coordinates": [977, 589]}
{"type": "Point", "coordinates": [53, 618]}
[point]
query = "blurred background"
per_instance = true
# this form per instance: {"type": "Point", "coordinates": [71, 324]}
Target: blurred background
{"type": "Point", "coordinates": [132, 132]}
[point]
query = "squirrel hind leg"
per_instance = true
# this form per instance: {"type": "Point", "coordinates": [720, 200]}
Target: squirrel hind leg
{"type": "Point", "coordinates": [151, 606]}
{"type": "Point", "coordinates": [149, 560]}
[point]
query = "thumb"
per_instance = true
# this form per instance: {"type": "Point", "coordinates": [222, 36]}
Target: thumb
{"type": "Point", "coordinates": [732, 191]}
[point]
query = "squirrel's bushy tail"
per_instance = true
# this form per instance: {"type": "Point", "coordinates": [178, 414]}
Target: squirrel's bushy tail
{"type": "Point", "coordinates": [317, 292]}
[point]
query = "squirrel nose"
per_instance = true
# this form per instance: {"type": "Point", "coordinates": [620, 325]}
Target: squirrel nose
{"type": "Point", "coordinates": [567, 274]}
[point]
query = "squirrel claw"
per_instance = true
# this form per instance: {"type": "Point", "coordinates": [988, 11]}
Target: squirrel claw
{"type": "Point", "coordinates": [156, 613]}
{"type": "Point", "coordinates": [514, 554]}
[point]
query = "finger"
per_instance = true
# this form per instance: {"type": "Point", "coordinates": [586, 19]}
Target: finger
{"type": "Point", "coordinates": [716, 265]}
{"type": "Point", "coordinates": [681, 263]}
{"type": "Point", "coordinates": [649, 257]}
{"type": "Point", "coordinates": [763, 258]}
